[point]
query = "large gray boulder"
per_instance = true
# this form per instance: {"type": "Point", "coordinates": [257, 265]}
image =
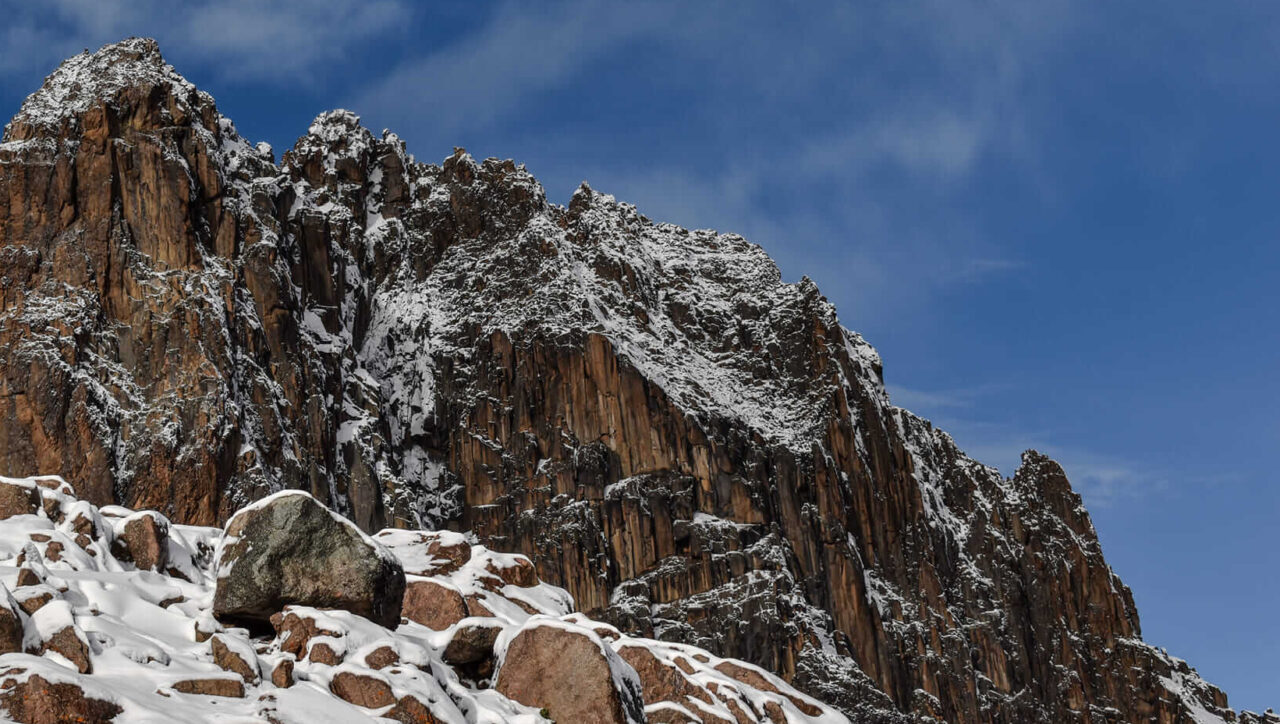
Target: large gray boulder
{"type": "Point", "coordinates": [288, 549]}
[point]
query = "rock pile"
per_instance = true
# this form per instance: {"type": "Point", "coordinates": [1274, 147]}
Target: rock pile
{"type": "Point", "coordinates": [107, 614]}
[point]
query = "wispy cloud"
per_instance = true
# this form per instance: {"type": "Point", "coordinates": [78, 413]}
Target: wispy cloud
{"type": "Point", "coordinates": [242, 40]}
{"type": "Point", "coordinates": [524, 50]}
{"type": "Point", "coordinates": [1104, 480]}
{"type": "Point", "coordinates": [926, 401]}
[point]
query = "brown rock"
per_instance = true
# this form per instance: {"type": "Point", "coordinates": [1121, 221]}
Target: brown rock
{"type": "Point", "coordinates": [520, 573]}
{"type": "Point", "coordinates": [53, 551]}
{"type": "Point", "coordinates": [471, 643]}
{"type": "Point", "coordinates": [204, 630]}
{"type": "Point", "coordinates": [282, 674]}
{"type": "Point", "coordinates": [241, 661]}
{"type": "Point", "coordinates": [381, 658]}
{"type": "Point", "coordinates": [82, 524]}
{"type": "Point", "coordinates": [671, 715]}
{"type": "Point", "coordinates": [67, 641]}
{"type": "Point", "coordinates": [28, 577]}
{"type": "Point", "coordinates": [409, 710]}
{"type": "Point", "coordinates": [146, 541]}
{"type": "Point", "coordinates": [17, 499]}
{"type": "Point", "coordinates": [476, 606]}
{"type": "Point", "coordinates": [32, 598]}
{"type": "Point", "coordinates": [427, 553]}
{"type": "Point", "coordinates": [322, 653]}
{"type": "Point", "coordinates": [659, 681]}
{"type": "Point", "coordinates": [39, 701]}
{"type": "Point", "coordinates": [568, 672]}
{"type": "Point", "coordinates": [455, 555]}
{"type": "Point", "coordinates": [10, 624]}
{"type": "Point", "coordinates": [433, 604]}
{"type": "Point", "coordinates": [362, 690]}
{"type": "Point", "coordinates": [230, 688]}
{"type": "Point", "coordinates": [294, 632]}
{"type": "Point", "coordinates": [755, 680]}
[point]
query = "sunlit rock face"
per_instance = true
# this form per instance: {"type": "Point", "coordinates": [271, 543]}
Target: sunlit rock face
{"type": "Point", "coordinates": [696, 450]}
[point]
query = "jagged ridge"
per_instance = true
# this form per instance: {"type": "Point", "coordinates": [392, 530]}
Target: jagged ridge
{"type": "Point", "coordinates": [694, 448]}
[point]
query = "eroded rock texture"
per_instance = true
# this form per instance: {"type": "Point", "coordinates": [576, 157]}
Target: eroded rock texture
{"type": "Point", "coordinates": [696, 450]}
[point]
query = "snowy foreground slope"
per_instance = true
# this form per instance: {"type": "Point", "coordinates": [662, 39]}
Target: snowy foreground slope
{"type": "Point", "coordinates": [142, 643]}
{"type": "Point", "coordinates": [693, 449]}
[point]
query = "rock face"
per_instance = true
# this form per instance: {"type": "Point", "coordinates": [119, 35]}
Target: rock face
{"type": "Point", "coordinates": [569, 672]}
{"type": "Point", "coordinates": [290, 550]}
{"type": "Point", "coordinates": [696, 450]}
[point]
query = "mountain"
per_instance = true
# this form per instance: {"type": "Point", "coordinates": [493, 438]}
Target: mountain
{"type": "Point", "coordinates": [695, 450]}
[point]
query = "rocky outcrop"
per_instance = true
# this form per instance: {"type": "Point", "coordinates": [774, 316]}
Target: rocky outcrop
{"type": "Point", "coordinates": [162, 656]}
{"type": "Point", "coordinates": [290, 550]}
{"type": "Point", "coordinates": [696, 450]}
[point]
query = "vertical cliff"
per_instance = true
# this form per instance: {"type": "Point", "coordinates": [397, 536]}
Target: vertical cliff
{"type": "Point", "coordinates": [696, 450]}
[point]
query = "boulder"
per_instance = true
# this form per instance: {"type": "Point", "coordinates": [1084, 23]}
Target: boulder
{"type": "Point", "coordinates": [53, 628]}
{"type": "Point", "coordinates": [362, 690]}
{"type": "Point", "coordinates": [144, 540]}
{"type": "Point", "coordinates": [662, 682]}
{"type": "Point", "coordinates": [70, 643]}
{"type": "Point", "coordinates": [433, 604]}
{"type": "Point", "coordinates": [39, 701]}
{"type": "Point", "coordinates": [758, 680]}
{"type": "Point", "coordinates": [33, 598]}
{"type": "Point", "coordinates": [567, 670]}
{"type": "Point", "coordinates": [10, 623]}
{"type": "Point", "coordinates": [17, 499]}
{"type": "Point", "coordinates": [282, 674]}
{"type": "Point", "coordinates": [230, 688]}
{"type": "Point", "coordinates": [381, 658]}
{"type": "Point", "coordinates": [288, 549]}
{"type": "Point", "coordinates": [235, 656]}
{"type": "Point", "coordinates": [410, 710]}
{"type": "Point", "coordinates": [470, 650]}
{"type": "Point", "coordinates": [295, 631]}
{"type": "Point", "coordinates": [514, 571]}
{"type": "Point", "coordinates": [472, 642]}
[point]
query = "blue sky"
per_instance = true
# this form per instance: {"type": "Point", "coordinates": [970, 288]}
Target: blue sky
{"type": "Point", "coordinates": [1058, 223]}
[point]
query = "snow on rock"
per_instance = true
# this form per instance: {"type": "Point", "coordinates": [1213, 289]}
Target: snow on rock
{"type": "Point", "coordinates": [262, 568]}
{"type": "Point", "coordinates": [113, 640]}
{"type": "Point", "coordinates": [687, 443]}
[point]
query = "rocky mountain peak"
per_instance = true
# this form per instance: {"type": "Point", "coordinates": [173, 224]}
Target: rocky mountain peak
{"type": "Point", "coordinates": [697, 450]}
{"type": "Point", "coordinates": [125, 75]}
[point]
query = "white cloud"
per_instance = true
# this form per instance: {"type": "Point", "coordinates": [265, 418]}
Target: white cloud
{"type": "Point", "coordinates": [1103, 480]}
{"type": "Point", "coordinates": [523, 50]}
{"type": "Point", "coordinates": [240, 39]}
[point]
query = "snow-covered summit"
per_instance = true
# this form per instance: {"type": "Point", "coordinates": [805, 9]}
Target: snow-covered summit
{"type": "Point", "coordinates": [91, 77]}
